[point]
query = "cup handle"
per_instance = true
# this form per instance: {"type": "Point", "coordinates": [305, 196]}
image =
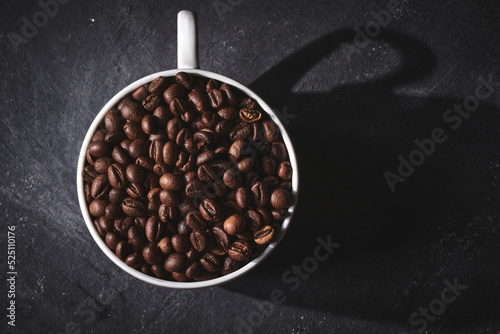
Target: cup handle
{"type": "Point", "coordinates": [187, 40]}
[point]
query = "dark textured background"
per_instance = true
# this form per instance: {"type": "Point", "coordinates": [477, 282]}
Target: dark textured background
{"type": "Point", "coordinates": [350, 117]}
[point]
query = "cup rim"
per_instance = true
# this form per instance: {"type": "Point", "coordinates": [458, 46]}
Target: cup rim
{"type": "Point", "coordinates": [174, 284]}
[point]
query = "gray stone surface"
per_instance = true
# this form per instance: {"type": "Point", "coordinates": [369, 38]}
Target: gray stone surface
{"type": "Point", "coordinates": [350, 116]}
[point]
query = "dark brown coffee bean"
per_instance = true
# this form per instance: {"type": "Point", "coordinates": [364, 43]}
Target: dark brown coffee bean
{"type": "Point", "coordinates": [253, 220]}
{"type": "Point", "coordinates": [193, 270]}
{"type": "Point", "coordinates": [180, 243]}
{"type": "Point", "coordinates": [116, 195]}
{"type": "Point", "coordinates": [134, 260]}
{"type": "Point", "coordinates": [184, 79]}
{"type": "Point", "coordinates": [234, 224]}
{"type": "Point", "coordinates": [271, 182]}
{"type": "Point", "coordinates": [205, 157]}
{"type": "Point", "coordinates": [123, 250]}
{"type": "Point", "coordinates": [134, 173]}
{"type": "Point", "coordinates": [193, 255]}
{"type": "Point", "coordinates": [158, 85]}
{"type": "Point", "coordinates": [245, 165]}
{"type": "Point", "coordinates": [175, 91]}
{"type": "Point", "coordinates": [216, 98]}
{"type": "Point", "coordinates": [278, 151]}
{"type": "Point", "coordinates": [195, 221]}
{"type": "Point", "coordinates": [209, 119]}
{"type": "Point", "coordinates": [151, 254]}
{"type": "Point", "coordinates": [264, 236]}
{"type": "Point", "coordinates": [160, 168]}
{"type": "Point", "coordinates": [148, 124]}
{"type": "Point", "coordinates": [99, 148]}
{"type": "Point", "coordinates": [199, 240]}
{"type": "Point", "coordinates": [210, 262]}
{"type": "Point", "coordinates": [151, 180]}
{"type": "Point", "coordinates": [194, 188]}
{"type": "Point", "coordinates": [243, 197]}
{"type": "Point", "coordinates": [281, 199]}
{"type": "Point", "coordinates": [89, 173]}
{"type": "Point", "coordinates": [206, 276]}
{"type": "Point", "coordinates": [179, 107]}
{"type": "Point", "coordinates": [113, 122]}
{"type": "Point", "coordinates": [170, 153]}
{"type": "Point", "coordinates": [206, 173]}
{"type": "Point", "coordinates": [250, 115]}
{"type": "Point", "coordinates": [105, 224]}
{"type": "Point", "coordinates": [176, 262]}
{"type": "Point", "coordinates": [198, 100]}
{"type": "Point", "coordinates": [168, 214]}
{"type": "Point", "coordinates": [210, 210]}
{"type": "Point", "coordinates": [134, 131]}
{"type": "Point", "coordinates": [131, 110]}
{"type": "Point", "coordinates": [97, 207]}
{"type": "Point", "coordinates": [169, 198]}
{"type": "Point", "coordinates": [113, 211]}
{"type": "Point", "coordinates": [133, 207]}
{"type": "Point", "coordinates": [145, 162]}
{"type": "Point", "coordinates": [122, 225]}
{"type": "Point", "coordinates": [229, 265]}
{"type": "Point", "coordinates": [151, 102]}
{"type": "Point", "coordinates": [99, 135]}
{"type": "Point", "coordinates": [228, 113]}
{"type": "Point", "coordinates": [221, 238]}
{"type": "Point", "coordinates": [100, 187]}
{"type": "Point", "coordinates": [247, 102]}
{"type": "Point", "coordinates": [138, 148]}
{"type": "Point", "coordinates": [116, 176]}
{"type": "Point", "coordinates": [228, 94]}
{"type": "Point", "coordinates": [140, 93]}
{"type": "Point", "coordinates": [211, 84]}
{"type": "Point", "coordinates": [120, 155]}
{"type": "Point", "coordinates": [101, 165]}
{"type": "Point", "coordinates": [240, 250]}
{"type": "Point", "coordinates": [237, 149]}
{"type": "Point", "coordinates": [223, 128]}
{"type": "Point", "coordinates": [114, 137]}
{"type": "Point", "coordinates": [279, 214]}
{"type": "Point", "coordinates": [284, 170]}
{"type": "Point", "coordinates": [162, 115]}
{"type": "Point", "coordinates": [112, 239]}
{"type": "Point", "coordinates": [159, 271]}
{"type": "Point", "coordinates": [165, 245]}
{"type": "Point", "coordinates": [241, 130]}
{"type": "Point", "coordinates": [260, 194]}
{"type": "Point", "coordinates": [232, 178]}
{"type": "Point", "coordinates": [154, 229]}
{"type": "Point", "coordinates": [101, 232]}
{"type": "Point", "coordinates": [154, 196]}
{"type": "Point", "coordinates": [180, 277]}
{"type": "Point", "coordinates": [268, 165]}
{"type": "Point", "coordinates": [135, 236]}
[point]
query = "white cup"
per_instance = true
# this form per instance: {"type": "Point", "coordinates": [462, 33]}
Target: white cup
{"type": "Point", "coordinates": [187, 61]}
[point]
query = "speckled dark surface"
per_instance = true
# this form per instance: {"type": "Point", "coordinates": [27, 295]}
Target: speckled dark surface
{"type": "Point", "coordinates": [349, 115]}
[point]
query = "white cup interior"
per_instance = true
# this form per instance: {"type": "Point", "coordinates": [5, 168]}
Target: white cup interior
{"type": "Point", "coordinates": [98, 120]}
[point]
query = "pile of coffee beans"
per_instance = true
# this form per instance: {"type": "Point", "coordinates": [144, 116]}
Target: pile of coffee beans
{"type": "Point", "coordinates": [187, 179]}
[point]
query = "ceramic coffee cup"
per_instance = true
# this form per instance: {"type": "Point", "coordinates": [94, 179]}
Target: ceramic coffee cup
{"type": "Point", "coordinates": [187, 61]}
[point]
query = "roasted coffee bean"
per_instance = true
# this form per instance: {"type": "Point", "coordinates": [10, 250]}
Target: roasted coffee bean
{"type": "Point", "coordinates": [206, 173]}
{"type": "Point", "coordinates": [205, 157]}
{"type": "Point", "coordinates": [154, 229]}
{"type": "Point", "coordinates": [243, 197]}
{"type": "Point", "coordinates": [162, 115]}
{"type": "Point", "coordinates": [148, 124]}
{"type": "Point", "coordinates": [138, 148]}
{"type": "Point", "coordinates": [158, 85]}
{"type": "Point", "coordinates": [169, 198]}
{"type": "Point", "coordinates": [183, 135]}
{"type": "Point", "coordinates": [268, 165]}
{"type": "Point", "coordinates": [151, 102]}
{"type": "Point", "coordinates": [230, 207]}
{"type": "Point", "coordinates": [280, 199]}
{"type": "Point", "coordinates": [210, 210]}
{"type": "Point", "coordinates": [134, 131]}
{"type": "Point", "coordinates": [100, 187]}
{"type": "Point", "coordinates": [168, 214]}
{"type": "Point", "coordinates": [145, 162]}
{"type": "Point", "coordinates": [241, 130]}
{"type": "Point", "coordinates": [90, 159]}
{"type": "Point", "coordinates": [131, 110]}
{"type": "Point", "coordinates": [133, 207]}
{"type": "Point", "coordinates": [232, 178]}
{"type": "Point", "coordinates": [216, 98]}
{"type": "Point", "coordinates": [135, 236]}
{"type": "Point", "coordinates": [170, 153]}
{"type": "Point", "coordinates": [223, 128]}
{"type": "Point", "coordinates": [165, 245]}
{"type": "Point", "coordinates": [114, 137]}
{"type": "Point", "coordinates": [193, 255]}
{"type": "Point", "coordinates": [279, 214]}
{"type": "Point", "coordinates": [170, 181]}
{"type": "Point", "coordinates": [194, 188]}
{"type": "Point", "coordinates": [105, 224]}
{"type": "Point", "coordinates": [141, 222]}
{"type": "Point", "coordinates": [198, 100]}
{"type": "Point", "coordinates": [180, 243]}
{"type": "Point", "coordinates": [112, 121]}
{"type": "Point", "coordinates": [98, 228]}
{"type": "Point", "coordinates": [265, 235]}
{"type": "Point", "coordinates": [240, 250]}
{"type": "Point", "coordinates": [234, 224]}
{"type": "Point", "coordinates": [146, 269]}
{"type": "Point", "coordinates": [159, 271]}
{"type": "Point", "coordinates": [210, 262]}
{"type": "Point", "coordinates": [179, 107]}
{"type": "Point", "coordinates": [253, 220]}
{"type": "Point", "coordinates": [99, 148]}
{"type": "Point", "coordinates": [211, 84]}
{"type": "Point", "coordinates": [217, 250]}
{"type": "Point", "coordinates": [160, 168]}
{"type": "Point", "coordinates": [278, 151]}
{"type": "Point", "coordinates": [120, 155]}
{"type": "Point", "coordinates": [206, 276]}
{"type": "Point", "coordinates": [237, 149]}
{"type": "Point", "coordinates": [116, 195]}
{"type": "Point", "coordinates": [101, 165]}
{"type": "Point", "coordinates": [284, 170]}
{"type": "Point", "coordinates": [122, 225]}
{"type": "Point", "coordinates": [117, 176]}
{"type": "Point", "coordinates": [173, 127]}
{"type": "Point", "coordinates": [175, 91]}
{"type": "Point", "coordinates": [123, 250]}
{"type": "Point", "coordinates": [199, 240]}
{"type": "Point", "coordinates": [247, 102]}
{"type": "Point", "coordinates": [176, 262]}
{"type": "Point", "coordinates": [251, 178]}
{"type": "Point", "coordinates": [245, 165]}
{"type": "Point", "coordinates": [210, 119]}
{"type": "Point", "coordinates": [250, 115]}
{"type": "Point", "coordinates": [184, 79]}
{"type": "Point", "coordinates": [287, 185]}
{"type": "Point", "coordinates": [180, 277]}
{"type": "Point", "coordinates": [140, 93]}
{"type": "Point", "coordinates": [134, 260]}
{"type": "Point", "coordinates": [113, 211]}
{"type": "Point", "coordinates": [229, 265]}
{"type": "Point", "coordinates": [228, 94]}
{"type": "Point", "coordinates": [228, 113]}
{"type": "Point", "coordinates": [112, 239]}
{"type": "Point", "coordinates": [87, 189]}
{"type": "Point", "coordinates": [134, 173]}
{"type": "Point", "coordinates": [151, 254]}
{"type": "Point", "coordinates": [265, 213]}
{"type": "Point", "coordinates": [260, 194]}
{"type": "Point", "coordinates": [195, 221]}
{"type": "Point", "coordinates": [99, 135]}
{"type": "Point", "coordinates": [154, 196]}
{"type": "Point", "coordinates": [271, 182]}
{"type": "Point", "coordinates": [89, 173]}
{"type": "Point", "coordinates": [97, 207]}
{"type": "Point", "coordinates": [193, 270]}
{"type": "Point", "coordinates": [221, 238]}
